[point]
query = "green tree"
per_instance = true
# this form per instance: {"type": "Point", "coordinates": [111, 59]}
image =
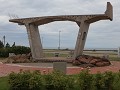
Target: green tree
{"type": "Point", "coordinates": [21, 50]}
{"type": "Point", "coordinates": [1, 44]}
{"type": "Point", "coordinates": [13, 44]}
{"type": "Point", "coordinates": [7, 45]}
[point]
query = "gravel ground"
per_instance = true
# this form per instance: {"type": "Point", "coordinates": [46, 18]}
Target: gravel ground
{"type": "Point", "coordinates": [6, 69]}
{"type": "Point", "coordinates": [42, 64]}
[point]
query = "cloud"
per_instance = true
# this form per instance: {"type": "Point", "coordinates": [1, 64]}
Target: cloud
{"type": "Point", "coordinates": [100, 32]}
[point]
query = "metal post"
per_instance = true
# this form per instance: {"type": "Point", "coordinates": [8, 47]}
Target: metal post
{"type": "Point", "coordinates": [42, 40]}
{"type": "Point", "coordinates": [118, 51]}
{"type": "Point", "coordinates": [4, 40]}
{"type": "Point", "coordinates": [59, 40]}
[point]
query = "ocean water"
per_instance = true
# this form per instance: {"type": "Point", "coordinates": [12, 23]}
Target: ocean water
{"type": "Point", "coordinates": [84, 48]}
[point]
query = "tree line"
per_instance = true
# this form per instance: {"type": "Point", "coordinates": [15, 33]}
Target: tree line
{"type": "Point", "coordinates": [6, 49]}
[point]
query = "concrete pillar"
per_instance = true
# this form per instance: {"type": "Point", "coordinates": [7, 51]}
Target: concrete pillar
{"type": "Point", "coordinates": [34, 41]}
{"type": "Point", "coordinates": [82, 35]}
{"type": "Point", "coordinates": [118, 51]}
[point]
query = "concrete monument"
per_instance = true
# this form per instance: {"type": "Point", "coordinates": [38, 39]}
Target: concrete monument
{"type": "Point", "coordinates": [83, 21]}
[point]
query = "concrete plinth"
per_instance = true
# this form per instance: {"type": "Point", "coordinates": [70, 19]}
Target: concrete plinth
{"type": "Point", "coordinates": [60, 66]}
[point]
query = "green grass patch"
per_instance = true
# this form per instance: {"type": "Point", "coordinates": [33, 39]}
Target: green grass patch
{"type": "Point", "coordinates": [114, 58]}
{"type": "Point", "coordinates": [4, 85]}
{"type": "Point", "coordinates": [48, 54]}
{"type": "Point", "coordinates": [53, 55]}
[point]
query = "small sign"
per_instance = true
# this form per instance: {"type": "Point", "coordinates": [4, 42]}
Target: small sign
{"type": "Point", "coordinates": [57, 54]}
{"type": "Point", "coordinates": [11, 54]}
{"type": "Point", "coordinates": [60, 66]}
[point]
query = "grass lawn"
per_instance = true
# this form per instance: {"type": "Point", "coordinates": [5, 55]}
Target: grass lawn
{"type": "Point", "coordinates": [114, 58]}
{"type": "Point", "coordinates": [4, 83]}
{"type": "Point", "coordinates": [2, 59]}
{"type": "Point", "coordinates": [64, 53]}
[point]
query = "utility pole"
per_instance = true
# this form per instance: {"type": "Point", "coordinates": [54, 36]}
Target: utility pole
{"type": "Point", "coordinates": [4, 40]}
{"type": "Point", "coordinates": [42, 41]}
{"type": "Point", "coordinates": [59, 41]}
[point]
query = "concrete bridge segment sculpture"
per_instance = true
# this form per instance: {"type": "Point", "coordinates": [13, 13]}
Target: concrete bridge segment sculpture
{"type": "Point", "coordinates": [83, 22]}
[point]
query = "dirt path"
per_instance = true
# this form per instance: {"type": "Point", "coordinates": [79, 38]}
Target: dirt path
{"type": "Point", "coordinates": [5, 69]}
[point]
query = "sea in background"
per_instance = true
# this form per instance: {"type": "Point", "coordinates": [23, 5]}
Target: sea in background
{"type": "Point", "coordinates": [71, 48]}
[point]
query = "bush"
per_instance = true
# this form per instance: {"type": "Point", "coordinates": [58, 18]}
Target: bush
{"type": "Point", "coordinates": [85, 80]}
{"type": "Point", "coordinates": [98, 81]}
{"type": "Point", "coordinates": [4, 52]}
{"type": "Point", "coordinates": [26, 80]}
{"type": "Point", "coordinates": [20, 50]}
{"type": "Point", "coordinates": [108, 80]}
{"type": "Point", "coordinates": [58, 81]}
{"type": "Point", "coordinates": [116, 83]}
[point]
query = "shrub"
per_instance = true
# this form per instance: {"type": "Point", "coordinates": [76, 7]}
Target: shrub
{"type": "Point", "coordinates": [108, 80]}
{"type": "Point", "coordinates": [116, 83]}
{"type": "Point", "coordinates": [99, 81]}
{"type": "Point", "coordinates": [26, 80]}
{"type": "Point", "coordinates": [20, 49]}
{"type": "Point", "coordinates": [58, 81]}
{"type": "Point", "coordinates": [4, 52]}
{"type": "Point", "coordinates": [85, 80]}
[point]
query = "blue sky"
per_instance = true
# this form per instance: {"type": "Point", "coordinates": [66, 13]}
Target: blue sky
{"type": "Point", "coordinates": [102, 34]}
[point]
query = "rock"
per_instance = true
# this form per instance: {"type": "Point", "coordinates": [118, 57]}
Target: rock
{"type": "Point", "coordinates": [87, 65]}
{"type": "Point", "coordinates": [29, 55]}
{"type": "Point", "coordinates": [19, 58]}
{"type": "Point", "coordinates": [76, 62]}
{"type": "Point", "coordinates": [91, 61]}
{"type": "Point", "coordinates": [99, 64]}
{"type": "Point", "coordinates": [23, 56]}
{"type": "Point", "coordinates": [8, 60]}
{"type": "Point", "coordinates": [84, 60]}
{"type": "Point", "coordinates": [16, 57]}
{"type": "Point", "coordinates": [106, 63]}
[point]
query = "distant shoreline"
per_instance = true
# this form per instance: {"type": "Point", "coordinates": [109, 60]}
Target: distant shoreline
{"type": "Point", "coordinates": [86, 49]}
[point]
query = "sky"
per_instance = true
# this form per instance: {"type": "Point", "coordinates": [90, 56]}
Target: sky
{"type": "Point", "coordinates": [101, 34]}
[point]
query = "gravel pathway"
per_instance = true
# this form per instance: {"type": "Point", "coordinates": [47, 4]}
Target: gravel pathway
{"type": "Point", "coordinates": [6, 69]}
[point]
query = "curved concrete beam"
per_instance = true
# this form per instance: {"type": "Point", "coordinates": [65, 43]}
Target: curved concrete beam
{"type": "Point", "coordinates": [75, 18]}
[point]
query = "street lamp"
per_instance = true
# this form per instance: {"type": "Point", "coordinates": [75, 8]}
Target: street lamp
{"type": "Point", "coordinates": [59, 40]}
{"type": "Point", "coordinates": [42, 41]}
{"type": "Point", "coordinates": [4, 40]}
